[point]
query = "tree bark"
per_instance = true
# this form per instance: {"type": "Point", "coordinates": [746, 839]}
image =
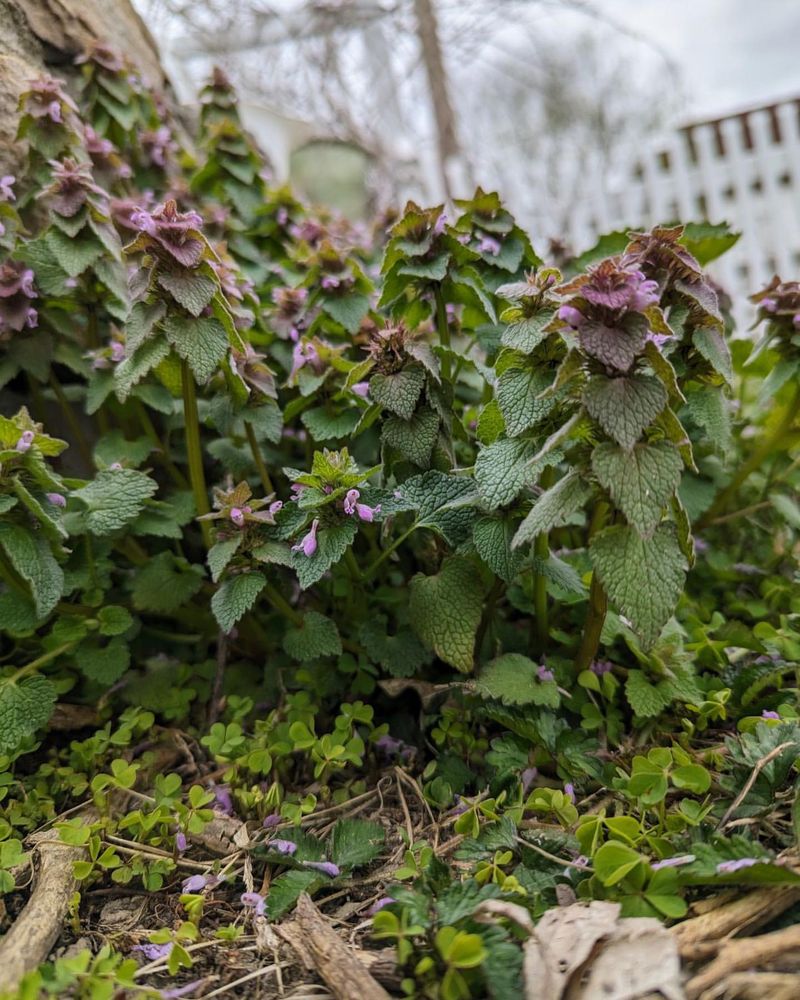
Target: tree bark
{"type": "Point", "coordinates": [45, 36]}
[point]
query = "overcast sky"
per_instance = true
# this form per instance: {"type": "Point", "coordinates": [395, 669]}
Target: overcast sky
{"type": "Point", "coordinates": [732, 53]}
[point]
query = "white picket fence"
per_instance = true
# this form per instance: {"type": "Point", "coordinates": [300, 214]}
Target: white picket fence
{"type": "Point", "coordinates": [743, 169]}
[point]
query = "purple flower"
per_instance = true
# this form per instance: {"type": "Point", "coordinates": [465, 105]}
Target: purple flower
{"type": "Point", "coordinates": [158, 145]}
{"type": "Point", "coordinates": [196, 883]}
{"type": "Point", "coordinates": [569, 791]}
{"type": "Point", "coordinates": [45, 99]}
{"type": "Point", "coordinates": [25, 441]}
{"type": "Point", "coordinates": [571, 315]}
{"type": "Point", "coordinates": [180, 991]}
{"type": "Point", "coordinates": [528, 777]}
{"type": "Point", "coordinates": [308, 543]}
{"type": "Point", "coordinates": [26, 283]}
{"type": "Point", "coordinates": [275, 506]}
{"type": "Point", "coordinates": [728, 867]}
{"type": "Point", "coordinates": [56, 499]}
{"type": "Point", "coordinates": [117, 351]}
{"type": "Point", "coordinates": [172, 233]}
{"type": "Point", "coordinates": [600, 667]}
{"type": "Point", "coordinates": [283, 846]}
{"type": "Point", "coordinates": [796, 320]}
{"type": "Point", "coordinates": [326, 867]}
{"type": "Point", "coordinates": [181, 843]}
{"type": "Point", "coordinates": [361, 389]}
{"type": "Point", "coordinates": [350, 501]}
{"type": "Point", "coordinates": [769, 305]}
{"type": "Point", "coordinates": [393, 747]}
{"type": "Point", "coordinates": [438, 226]}
{"type": "Point", "coordinates": [367, 513]}
{"type": "Point", "coordinates": [330, 281]}
{"type": "Point", "coordinates": [676, 862]}
{"type": "Point", "coordinates": [71, 186]}
{"type": "Point", "coordinates": [659, 339]}
{"type": "Point", "coordinates": [274, 819]}
{"type": "Point", "coordinates": [488, 244]}
{"type": "Point", "coordinates": [222, 799]}
{"type": "Point", "coordinates": [612, 286]}
{"type": "Point", "coordinates": [768, 714]}
{"type": "Point", "coordinates": [282, 216]}
{"type": "Point", "coordinates": [255, 901]}
{"type": "Point", "coordinates": [153, 952]}
{"type": "Point", "coordinates": [6, 187]}
{"type": "Point", "coordinates": [379, 905]}
{"type": "Point", "coordinates": [544, 674]}
{"type": "Point", "coordinates": [237, 516]}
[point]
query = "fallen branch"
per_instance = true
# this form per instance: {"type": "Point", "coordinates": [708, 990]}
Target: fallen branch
{"type": "Point", "coordinates": [744, 953]}
{"type": "Point", "coordinates": [36, 929]}
{"type": "Point", "coordinates": [758, 985]}
{"type": "Point", "coordinates": [759, 767]}
{"type": "Point", "coordinates": [743, 914]}
{"type": "Point", "coordinates": [336, 963]}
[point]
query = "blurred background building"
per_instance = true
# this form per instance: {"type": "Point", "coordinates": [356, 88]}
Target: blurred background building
{"type": "Point", "coordinates": [586, 115]}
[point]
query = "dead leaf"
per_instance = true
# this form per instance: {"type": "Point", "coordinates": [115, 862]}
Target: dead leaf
{"type": "Point", "coordinates": [584, 952]}
{"type": "Point", "coordinates": [491, 910]}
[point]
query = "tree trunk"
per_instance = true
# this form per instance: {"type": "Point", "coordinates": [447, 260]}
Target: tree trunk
{"type": "Point", "coordinates": [45, 36]}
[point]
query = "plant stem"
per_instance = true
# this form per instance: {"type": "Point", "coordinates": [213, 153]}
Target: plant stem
{"type": "Point", "coordinates": [598, 602]}
{"type": "Point", "coordinates": [368, 572]}
{"type": "Point", "coordinates": [443, 328]}
{"type": "Point", "coordinates": [41, 661]}
{"type": "Point", "coordinates": [769, 444]}
{"type": "Point", "coordinates": [193, 452]}
{"type": "Point", "coordinates": [281, 604]}
{"type": "Point", "coordinates": [541, 549]}
{"type": "Point", "coordinates": [255, 451]}
{"type": "Point", "coordinates": [590, 643]}
{"type": "Point", "coordinates": [148, 427]}
{"type": "Point", "coordinates": [72, 420]}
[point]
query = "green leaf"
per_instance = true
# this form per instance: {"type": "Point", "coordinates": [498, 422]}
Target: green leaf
{"type": "Point", "coordinates": [114, 498]}
{"type": "Point", "coordinates": [74, 253]}
{"type": "Point", "coordinates": [501, 473]}
{"type": "Point", "coordinates": [513, 679]}
{"type": "Point", "coordinates": [710, 409]}
{"type": "Point", "coordinates": [624, 406]}
{"type": "Point", "coordinates": [401, 655]}
{"type": "Point", "coordinates": [554, 507]}
{"type": "Point", "coordinates": [445, 610]}
{"type": "Point", "coordinates": [613, 861]}
{"type": "Point", "coordinates": [25, 707]}
{"type": "Point", "coordinates": [138, 365]}
{"type": "Point", "coordinates": [526, 333]}
{"type": "Point", "coordinates": [348, 309]}
{"type": "Point", "coordinates": [165, 583]}
{"type": "Point", "coordinates": [400, 391]}
{"type": "Point", "coordinates": [710, 342]}
{"type": "Point", "coordinates": [615, 346]}
{"type": "Point", "coordinates": [443, 503]}
{"type": "Point", "coordinates": [104, 664]}
{"type": "Point", "coordinates": [332, 543]}
{"type": "Point", "coordinates": [113, 447]}
{"type": "Point", "coordinates": [413, 438]}
{"type": "Point", "coordinates": [316, 636]}
{"type": "Point", "coordinates": [31, 557]}
{"type": "Point", "coordinates": [286, 890]}
{"type": "Point", "coordinates": [706, 241]}
{"type": "Point", "coordinates": [355, 842]}
{"type": "Point", "coordinates": [141, 321]}
{"type": "Point", "coordinates": [641, 481]}
{"type": "Point", "coordinates": [202, 342]}
{"type": "Point", "coordinates": [492, 537]}
{"type": "Point", "coordinates": [114, 619]}
{"type": "Point", "coordinates": [192, 289]}
{"type": "Point", "coordinates": [517, 396]}
{"type": "Point", "coordinates": [236, 597]}
{"type": "Point", "coordinates": [220, 555]}
{"type": "Point", "coordinates": [642, 576]}
{"type": "Point", "coordinates": [646, 699]}
{"type": "Point", "coordinates": [323, 425]}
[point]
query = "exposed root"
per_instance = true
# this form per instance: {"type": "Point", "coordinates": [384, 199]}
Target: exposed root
{"type": "Point", "coordinates": [744, 953]}
{"type": "Point", "coordinates": [37, 928]}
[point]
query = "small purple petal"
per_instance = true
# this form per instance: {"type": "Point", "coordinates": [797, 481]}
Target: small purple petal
{"type": "Point", "coordinates": [361, 389]}
{"type": "Point", "coordinates": [222, 799]}
{"type": "Point", "coordinates": [153, 952]}
{"type": "Point", "coordinates": [25, 441]}
{"type": "Point", "coordinates": [326, 867]}
{"type": "Point", "coordinates": [569, 791]}
{"type": "Point", "coordinates": [728, 867]}
{"type": "Point", "coordinates": [676, 862]}
{"type": "Point", "coordinates": [283, 846]}
{"type": "Point", "coordinates": [274, 819]}
{"type": "Point", "coordinates": [544, 673]}
{"type": "Point", "coordinates": [254, 900]}
{"type": "Point", "coordinates": [768, 714]}
{"type": "Point", "coordinates": [181, 842]}
{"type": "Point", "coordinates": [56, 499]}
{"type": "Point", "coordinates": [379, 905]}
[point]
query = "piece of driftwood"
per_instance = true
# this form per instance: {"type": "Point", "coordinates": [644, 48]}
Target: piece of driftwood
{"type": "Point", "coordinates": [336, 963]}
{"type": "Point", "coordinates": [758, 986]}
{"type": "Point", "coordinates": [36, 929]}
{"type": "Point", "coordinates": [739, 954]}
{"type": "Point", "coordinates": [743, 914]}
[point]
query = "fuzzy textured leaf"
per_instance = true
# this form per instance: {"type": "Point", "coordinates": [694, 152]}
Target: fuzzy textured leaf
{"type": "Point", "coordinates": [115, 497]}
{"type": "Point", "coordinates": [445, 610]}
{"type": "Point", "coordinates": [235, 598]}
{"type": "Point", "coordinates": [625, 406]}
{"type": "Point", "coordinates": [642, 576]}
{"type": "Point", "coordinates": [640, 481]}
{"type": "Point", "coordinates": [316, 636]}
{"type": "Point", "coordinates": [554, 507]}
